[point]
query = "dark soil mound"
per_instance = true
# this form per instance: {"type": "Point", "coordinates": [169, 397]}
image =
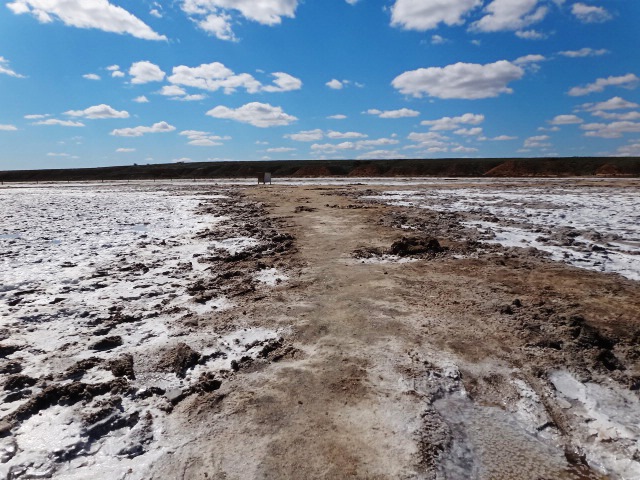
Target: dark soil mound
{"type": "Point", "coordinates": [179, 359]}
{"type": "Point", "coordinates": [407, 246]}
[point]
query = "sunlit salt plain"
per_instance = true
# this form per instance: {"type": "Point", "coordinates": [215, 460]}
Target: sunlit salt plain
{"type": "Point", "coordinates": [592, 227]}
{"type": "Point", "coordinates": [69, 256]}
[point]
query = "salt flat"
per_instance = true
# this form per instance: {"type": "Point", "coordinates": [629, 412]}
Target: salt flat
{"type": "Point", "coordinates": [174, 330]}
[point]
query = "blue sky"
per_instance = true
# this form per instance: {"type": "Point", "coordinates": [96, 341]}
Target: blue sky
{"type": "Point", "coordinates": [88, 83]}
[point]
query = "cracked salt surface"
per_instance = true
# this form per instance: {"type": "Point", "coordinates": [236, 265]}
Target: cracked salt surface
{"type": "Point", "coordinates": [74, 256]}
{"type": "Point", "coordinates": [591, 227]}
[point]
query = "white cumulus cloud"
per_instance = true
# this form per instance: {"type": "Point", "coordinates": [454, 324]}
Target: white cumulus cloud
{"type": "Point", "coordinates": [198, 138]}
{"type": "Point", "coordinates": [216, 16]}
{"type": "Point", "coordinates": [7, 128]}
{"type": "Point", "coordinates": [160, 127]}
{"type": "Point", "coordinates": [424, 15]}
{"type": "Point", "coordinates": [215, 76]}
{"type": "Point", "coordinates": [335, 84]}
{"type": "Point", "coordinates": [145, 72]}
{"type": "Point", "coordinates": [627, 81]}
{"type": "Point", "coordinates": [91, 76]}
{"type": "Point", "coordinates": [141, 99]}
{"type": "Point", "coordinates": [98, 14]}
{"type": "Point", "coordinates": [453, 123]}
{"type": "Point", "coordinates": [97, 112]}
{"type": "Point", "coordinates": [258, 114]}
{"type": "Point", "coordinates": [566, 120]}
{"type": "Point", "coordinates": [510, 15]}
{"type": "Point", "coordinates": [460, 80]}
{"type": "Point", "coordinates": [590, 13]}
{"type": "Point", "coordinates": [614, 103]}
{"type": "Point", "coordinates": [401, 113]}
{"type": "Point", "coordinates": [584, 52]}
{"type": "Point", "coordinates": [59, 123]}
{"type": "Point", "coordinates": [306, 135]}
{"type": "Point", "coordinates": [610, 130]}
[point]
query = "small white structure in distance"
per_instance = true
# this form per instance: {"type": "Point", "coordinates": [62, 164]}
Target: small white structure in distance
{"type": "Point", "coordinates": [264, 177]}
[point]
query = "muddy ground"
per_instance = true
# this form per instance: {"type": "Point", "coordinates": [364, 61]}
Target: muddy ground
{"type": "Point", "coordinates": [401, 353]}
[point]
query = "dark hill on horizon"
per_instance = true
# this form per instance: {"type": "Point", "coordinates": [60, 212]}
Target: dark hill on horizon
{"type": "Point", "coordinates": [454, 167]}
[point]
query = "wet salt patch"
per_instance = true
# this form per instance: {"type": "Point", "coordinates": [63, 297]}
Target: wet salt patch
{"type": "Point", "coordinates": [488, 443]}
{"type": "Point", "coordinates": [235, 245]}
{"type": "Point", "coordinates": [270, 276]}
{"type": "Point", "coordinates": [610, 432]}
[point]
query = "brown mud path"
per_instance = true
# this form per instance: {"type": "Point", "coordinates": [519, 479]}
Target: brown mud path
{"type": "Point", "coordinates": [372, 342]}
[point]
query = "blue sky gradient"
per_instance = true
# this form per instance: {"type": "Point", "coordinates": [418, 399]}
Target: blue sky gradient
{"type": "Point", "coordinates": [406, 78]}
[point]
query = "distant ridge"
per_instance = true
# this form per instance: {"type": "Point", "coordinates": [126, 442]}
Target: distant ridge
{"type": "Point", "coordinates": [453, 167]}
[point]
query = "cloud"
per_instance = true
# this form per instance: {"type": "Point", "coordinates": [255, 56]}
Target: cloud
{"type": "Point", "coordinates": [125, 150]}
{"type": "Point", "coordinates": [627, 81]}
{"type": "Point", "coordinates": [424, 15]}
{"type": "Point", "coordinates": [98, 112]}
{"type": "Point", "coordinates": [438, 40]}
{"type": "Point", "coordinates": [160, 127]}
{"type": "Point", "coordinates": [145, 72]}
{"type": "Point", "coordinates": [36, 117]}
{"type": "Point", "coordinates": [628, 116]}
{"type": "Point", "coordinates": [335, 84]}
{"type": "Point", "coordinates": [60, 123]}
{"type": "Point", "coordinates": [538, 141]}
{"type": "Point", "coordinates": [401, 113]}
{"type": "Point", "coordinates": [280, 150]}
{"type": "Point", "coordinates": [531, 35]}
{"type": "Point", "coordinates": [631, 150]}
{"type": "Point", "coordinates": [460, 80]}
{"type": "Point", "coordinates": [337, 117]}
{"type": "Point", "coordinates": [98, 14]}
{"type": "Point", "coordinates": [614, 103]}
{"type": "Point", "coordinates": [359, 145]}
{"type": "Point", "coordinates": [141, 99]}
{"type": "Point", "coordinates": [215, 16]}
{"type": "Point", "coordinates": [265, 12]}
{"type": "Point", "coordinates": [503, 138]}
{"type": "Point", "coordinates": [584, 52]}
{"type": "Point", "coordinates": [4, 69]}
{"type": "Point", "coordinates": [462, 149]}
{"type": "Point", "coordinates": [380, 155]}
{"type": "Point", "coordinates": [453, 123]}
{"type": "Point", "coordinates": [468, 131]}
{"type": "Point", "coordinates": [566, 120]}
{"type": "Point", "coordinates": [306, 136]}
{"type": "Point", "coordinates": [215, 76]}
{"type": "Point", "coordinates": [333, 134]}
{"type": "Point", "coordinates": [8, 128]}
{"type": "Point", "coordinates": [283, 83]}
{"type": "Point", "coordinates": [510, 15]}
{"type": "Point", "coordinates": [610, 130]}
{"type": "Point", "coordinates": [203, 139]}
{"type": "Point", "coordinates": [218, 25]}
{"type": "Point", "coordinates": [528, 59]}
{"type": "Point", "coordinates": [257, 114]}
{"type": "Point", "coordinates": [117, 74]}
{"type": "Point", "coordinates": [91, 76]}
{"type": "Point", "coordinates": [589, 13]}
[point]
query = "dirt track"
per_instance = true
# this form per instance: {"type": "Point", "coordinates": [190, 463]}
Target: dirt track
{"type": "Point", "coordinates": [383, 352]}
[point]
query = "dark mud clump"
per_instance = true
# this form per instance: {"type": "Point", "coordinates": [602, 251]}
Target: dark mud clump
{"type": "Point", "coordinates": [179, 359]}
{"type": "Point", "coordinates": [107, 343]}
{"type": "Point", "coordinates": [18, 382]}
{"type": "Point", "coordinates": [123, 366]}
{"type": "Point", "coordinates": [408, 246]}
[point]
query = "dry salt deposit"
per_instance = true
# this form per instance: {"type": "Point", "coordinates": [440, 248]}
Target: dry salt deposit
{"type": "Point", "coordinates": [341, 328]}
